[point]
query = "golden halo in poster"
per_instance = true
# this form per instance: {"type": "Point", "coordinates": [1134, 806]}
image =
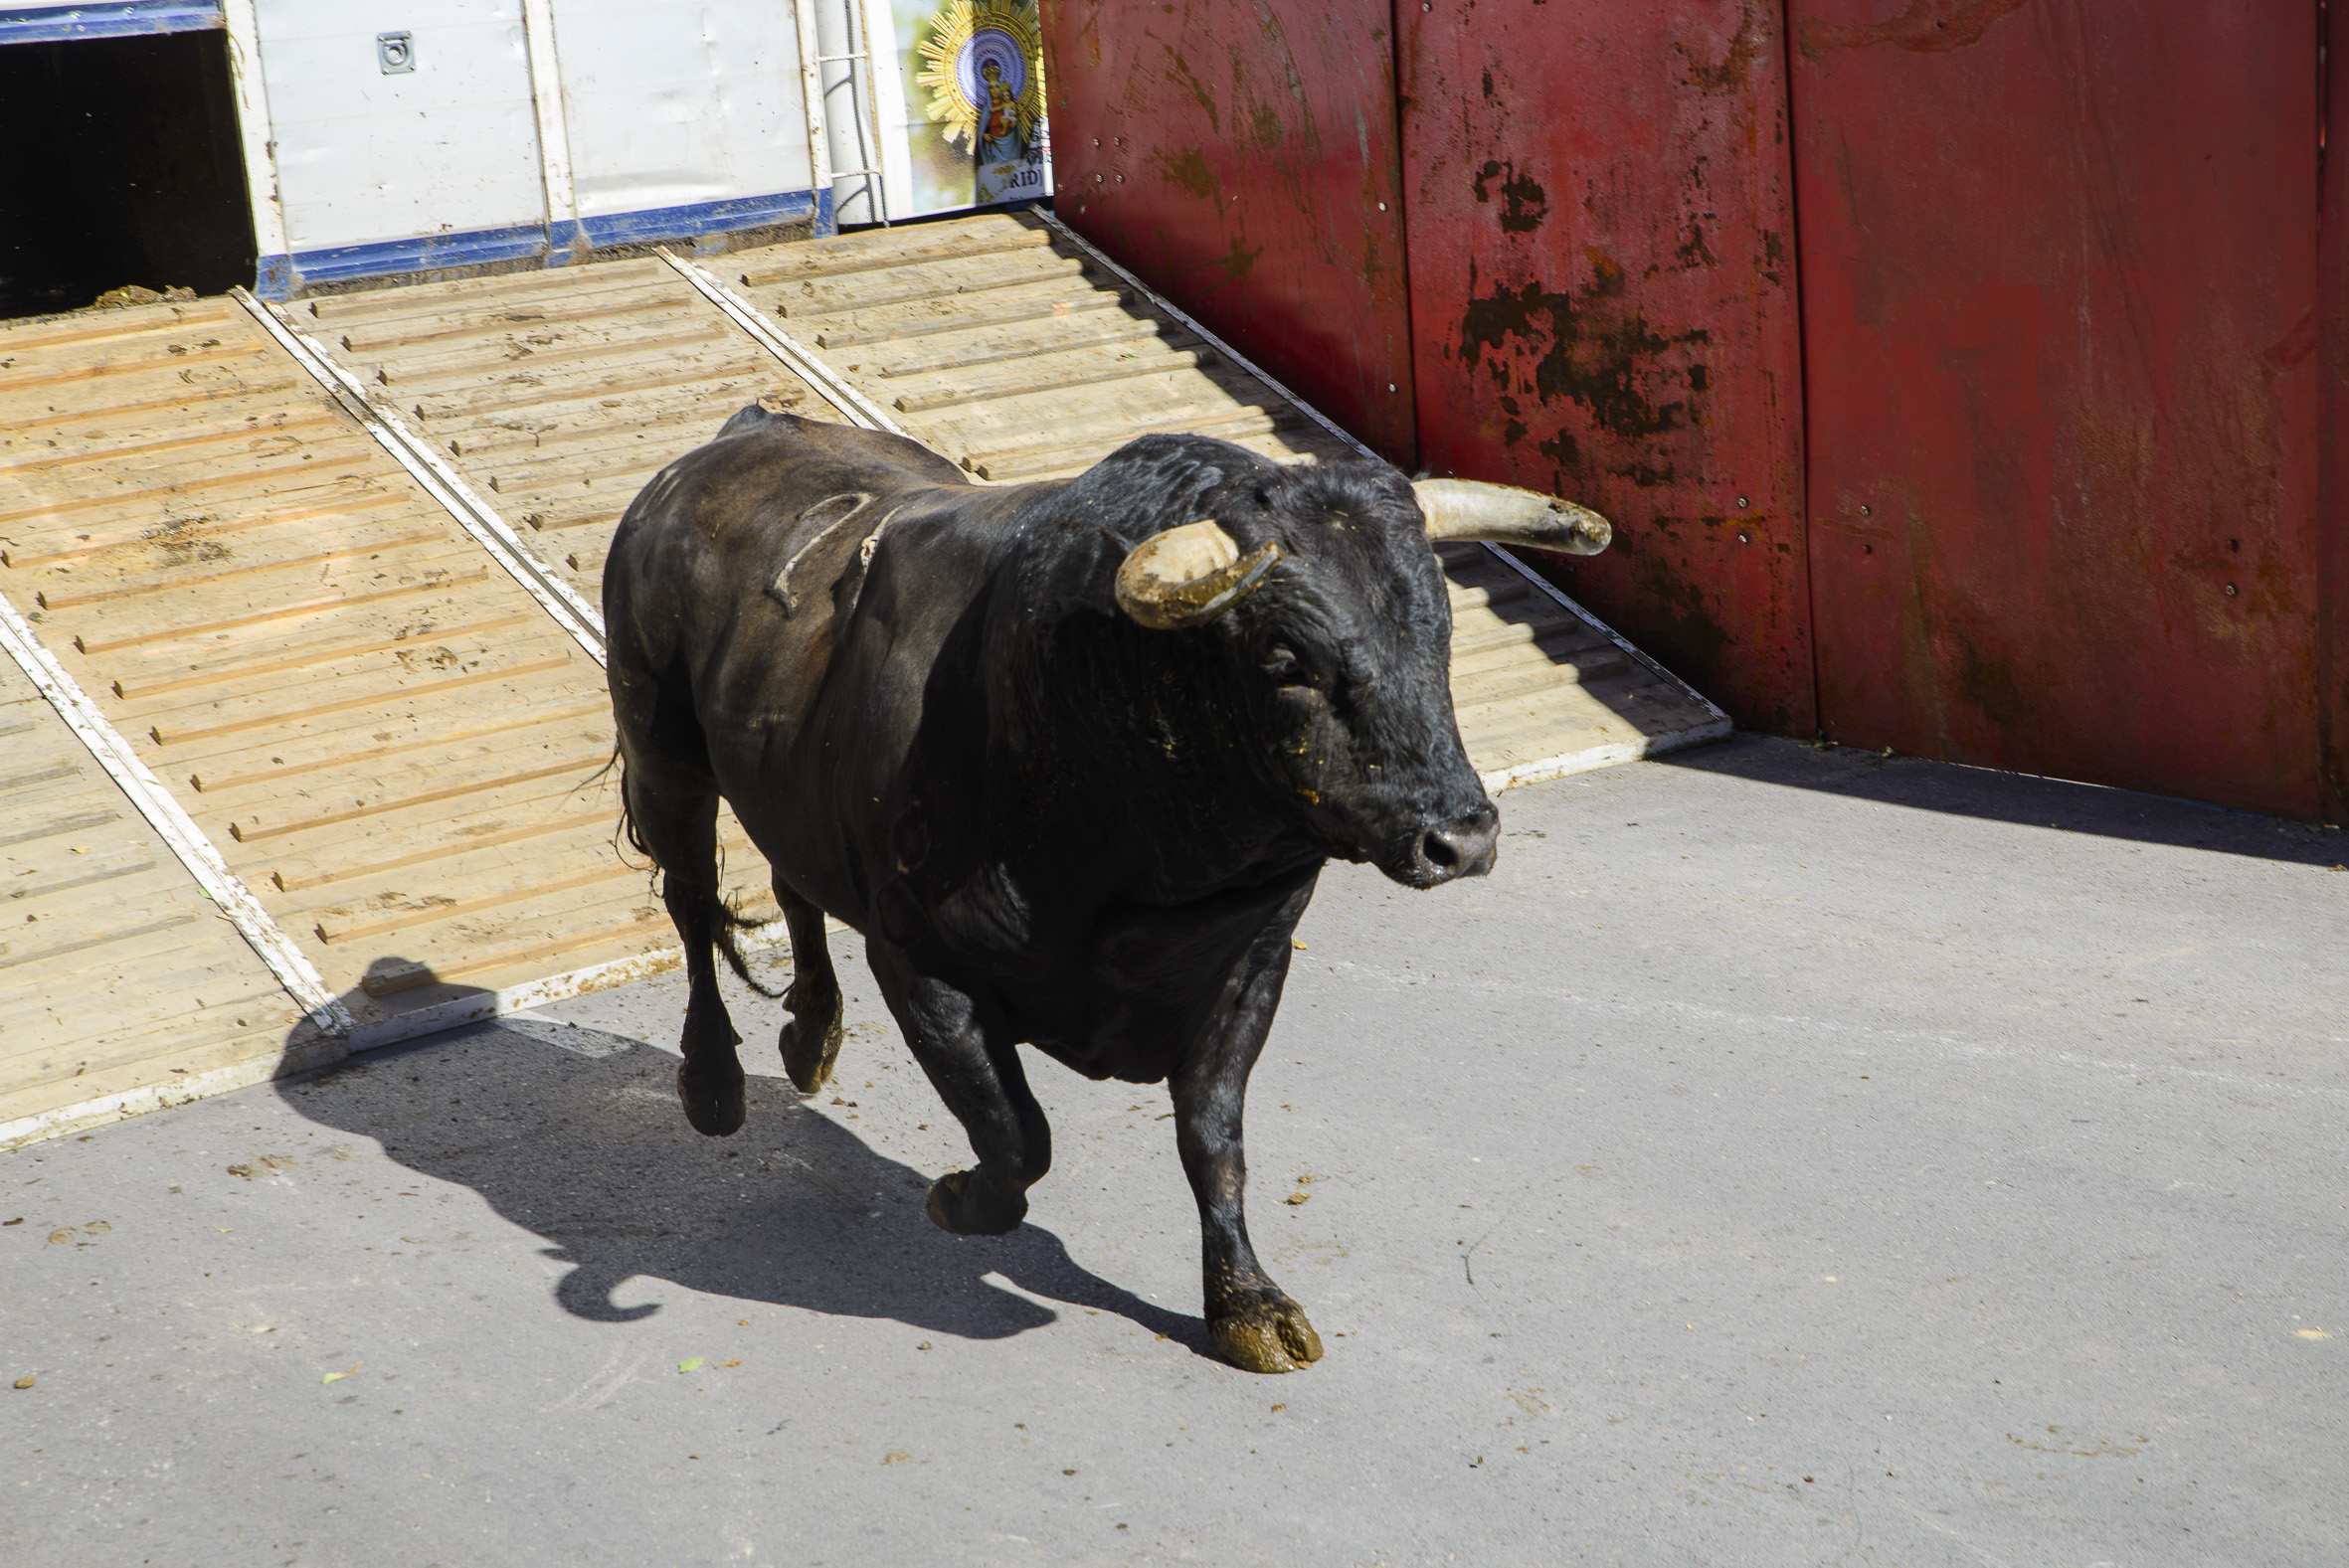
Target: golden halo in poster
{"type": "Point", "coordinates": [986, 75]}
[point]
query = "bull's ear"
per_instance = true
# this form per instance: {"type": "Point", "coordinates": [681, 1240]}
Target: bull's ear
{"type": "Point", "coordinates": [1503, 514]}
{"type": "Point", "coordinates": [1189, 575]}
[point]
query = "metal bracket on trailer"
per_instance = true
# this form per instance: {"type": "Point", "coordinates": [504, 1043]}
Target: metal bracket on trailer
{"type": "Point", "coordinates": [177, 829]}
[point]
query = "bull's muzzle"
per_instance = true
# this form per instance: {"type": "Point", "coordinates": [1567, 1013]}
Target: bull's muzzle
{"type": "Point", "coordinates": [1463, 847]}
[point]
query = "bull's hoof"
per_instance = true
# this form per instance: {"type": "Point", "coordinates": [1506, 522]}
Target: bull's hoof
{"type": "Point", "coordinates": [1267, 1335]}
{"type": "Point", "coordinates": [961, 1203]}
{"type": "Point", "coordinates": [809, 1054]}
{"type": "Point", "coordinates": [712, 1095]}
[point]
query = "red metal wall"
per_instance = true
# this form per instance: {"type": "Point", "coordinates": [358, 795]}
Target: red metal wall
{"type": "Point", "coordinates": [2332, 367]}
{"type": "Point", "coordinates": [1600, 211]}
{"type": "Point", "coordinates": [2067, 367]}
{"type": "Point", "coordinates": [1241, 159]}
{"type": "Point", "coordinates": [2059, 286]}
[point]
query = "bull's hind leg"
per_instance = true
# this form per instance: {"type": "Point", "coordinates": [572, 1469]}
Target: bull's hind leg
{"type": "Point", "coordinates": [811, 1039]}
{"type": "Point", "coordinates": [974, 1064]}
{"type": "Point", "coordinates": [677, 821]}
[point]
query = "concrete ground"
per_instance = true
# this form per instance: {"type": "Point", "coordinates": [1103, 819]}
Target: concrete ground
{"type": "Point", "coordinates": [1787, 1157]}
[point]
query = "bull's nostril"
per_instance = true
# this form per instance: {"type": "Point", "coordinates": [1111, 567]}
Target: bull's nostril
{"type": "Point", "coordinates": [1439, 850]}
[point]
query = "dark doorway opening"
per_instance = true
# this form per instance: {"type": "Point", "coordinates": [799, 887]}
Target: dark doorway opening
{"type": "Point", "coordinates": [122, 167]}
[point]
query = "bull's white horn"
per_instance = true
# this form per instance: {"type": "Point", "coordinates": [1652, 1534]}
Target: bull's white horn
{"type": "Point", "coordinates": [1189, 575]}
{"type": "Point", "coordinates": [1503, 514]}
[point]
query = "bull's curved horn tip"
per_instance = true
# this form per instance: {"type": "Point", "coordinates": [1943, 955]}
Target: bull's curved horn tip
{"type": "Point", "coordinates": [1189, 575]}
{"type": "Point", "coordinates": [1503, 514]}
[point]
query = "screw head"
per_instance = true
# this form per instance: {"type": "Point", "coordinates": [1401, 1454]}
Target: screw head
{"type": "Point", "coordinates": [2231, 591]}
{"type": "Point", "coordinates": [1864, 512]}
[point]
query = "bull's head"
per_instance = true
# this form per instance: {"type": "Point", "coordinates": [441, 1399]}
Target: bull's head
{"type": "Point", "coordinates": [1322, 582]}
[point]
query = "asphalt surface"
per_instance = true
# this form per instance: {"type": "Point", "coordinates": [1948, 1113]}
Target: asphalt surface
{"type": "Point", "coordinates": [1787, 1157]}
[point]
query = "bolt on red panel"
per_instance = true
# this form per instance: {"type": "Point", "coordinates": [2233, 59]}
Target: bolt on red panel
{"type": "Point", "coordinates": [2058, 289]}
{"type": "Point", "coordinates": [1603, 303]}
{"type": "Point", "coordinates": [1241, 159]}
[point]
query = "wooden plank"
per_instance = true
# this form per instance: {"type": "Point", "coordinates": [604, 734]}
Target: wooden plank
{"type": "Point", "coordinates": [213, 386]}
{"type": "Point", "coordinates": [440, 375]}
{"type": "Point", "coordinates": [149, 496]}
{"type": "Point", "coordinates": [346, 862]}
{"type": "Point", "coordinates": [385, 304]}
{"type": "Point", "coordinates": [275, 716]}
{"type": "Point", "coordinates": [602, 389]}
{"type": "Point", "coordinates": [884, 247]}
{"type": "Point", "coordinates": [795, 263]}
{"type": "Point", "coordinates": [406, 334]}
{"type": "Point", "coordinates": [515, 733]}
{"type": "Point", "coordinates": [82, 334]}
{"type": "Point", "coordinates": [575, 766]}
{"type": "Point", "coordinates": [963, 278]}
{"type": "Point", "coordinates": [343, 927]}
{"type": "Point", "coordinates": [1048, 301]}
{"type": "Point", "coordinates": [207, 674]}
{"type": "Point", "coordinates": [1045, 373]}
{"type": "Point", "coordinates": [360, 549]}
{"type": "Point", "coordinates": [178, 538]}
{"type": "Point", "coordinates": [54, 457]}
{"type": "Point", "coordinates": [991, 343]}
{"type": "Point", "coordinates": [307, 609]}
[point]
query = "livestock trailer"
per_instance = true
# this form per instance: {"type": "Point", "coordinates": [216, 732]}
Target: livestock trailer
{"type": "Point", "coordinates": [303, 145]}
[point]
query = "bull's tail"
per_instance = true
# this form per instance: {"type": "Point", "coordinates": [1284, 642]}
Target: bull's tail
{"type": "Point", "coordinates": [627, 827]}
{"type": "Point", "coordinates": [725, 920]}
{"type": "Point", "coordinates": [722, 918]}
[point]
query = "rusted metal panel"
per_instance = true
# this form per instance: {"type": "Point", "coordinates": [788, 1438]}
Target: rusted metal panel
{"type": "Point", "coordinates": [2060, 330]}
{"type": "Point", "coordinates": [1242, 159]}
{"type": "Point", "coordinates": [2333, 368]}
{"type": "Point", "coordinates": [1604, 301]}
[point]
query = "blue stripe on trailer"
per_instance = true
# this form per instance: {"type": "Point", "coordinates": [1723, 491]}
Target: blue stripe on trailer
{"type": "Point", "coordinates": [280, 276]}
{"type": "Point", "coordinates": [705, 217]}
{"type": "Point", "coordinates": [51, 24]}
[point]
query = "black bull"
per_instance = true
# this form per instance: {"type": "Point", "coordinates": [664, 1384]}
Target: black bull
{"type": "Point", "coordinates": [1070, 754]}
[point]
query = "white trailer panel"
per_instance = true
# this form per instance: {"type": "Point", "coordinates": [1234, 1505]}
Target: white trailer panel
{"type": "Point", "coordinates": [432, 166]}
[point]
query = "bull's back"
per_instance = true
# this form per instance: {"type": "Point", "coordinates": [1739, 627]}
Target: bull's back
{"type": "Point", "coordinates": [731, 595]}
{"type": "Point", "coordinates": [723, 569]}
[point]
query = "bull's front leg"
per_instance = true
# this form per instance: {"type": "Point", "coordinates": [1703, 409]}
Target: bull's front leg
{"type": "Point", "coordinates": [1254, 1321]}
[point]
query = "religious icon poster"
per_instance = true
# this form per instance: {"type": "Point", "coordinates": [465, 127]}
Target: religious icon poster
{"type": "Point", "coordinates": [973, 74]}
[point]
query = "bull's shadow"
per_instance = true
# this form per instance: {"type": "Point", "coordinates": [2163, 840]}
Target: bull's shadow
{"type": "Point", "coordinates": [576, 1135]}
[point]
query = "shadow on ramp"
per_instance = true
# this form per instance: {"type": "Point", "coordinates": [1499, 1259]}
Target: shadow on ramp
{"type": "Point", "coordinates": [576, 1135]}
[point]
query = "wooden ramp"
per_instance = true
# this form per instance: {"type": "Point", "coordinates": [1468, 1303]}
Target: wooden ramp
{"type": "Point", "coordinates": [120, 981]}
{"type": "Point", "coordinates": [387, 739]}
{"type": "Point", "coordinates": [330, 574]}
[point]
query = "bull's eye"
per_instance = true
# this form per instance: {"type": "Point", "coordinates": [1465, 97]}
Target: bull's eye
{"type": "Point", "coordinates": [1284, 666]}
